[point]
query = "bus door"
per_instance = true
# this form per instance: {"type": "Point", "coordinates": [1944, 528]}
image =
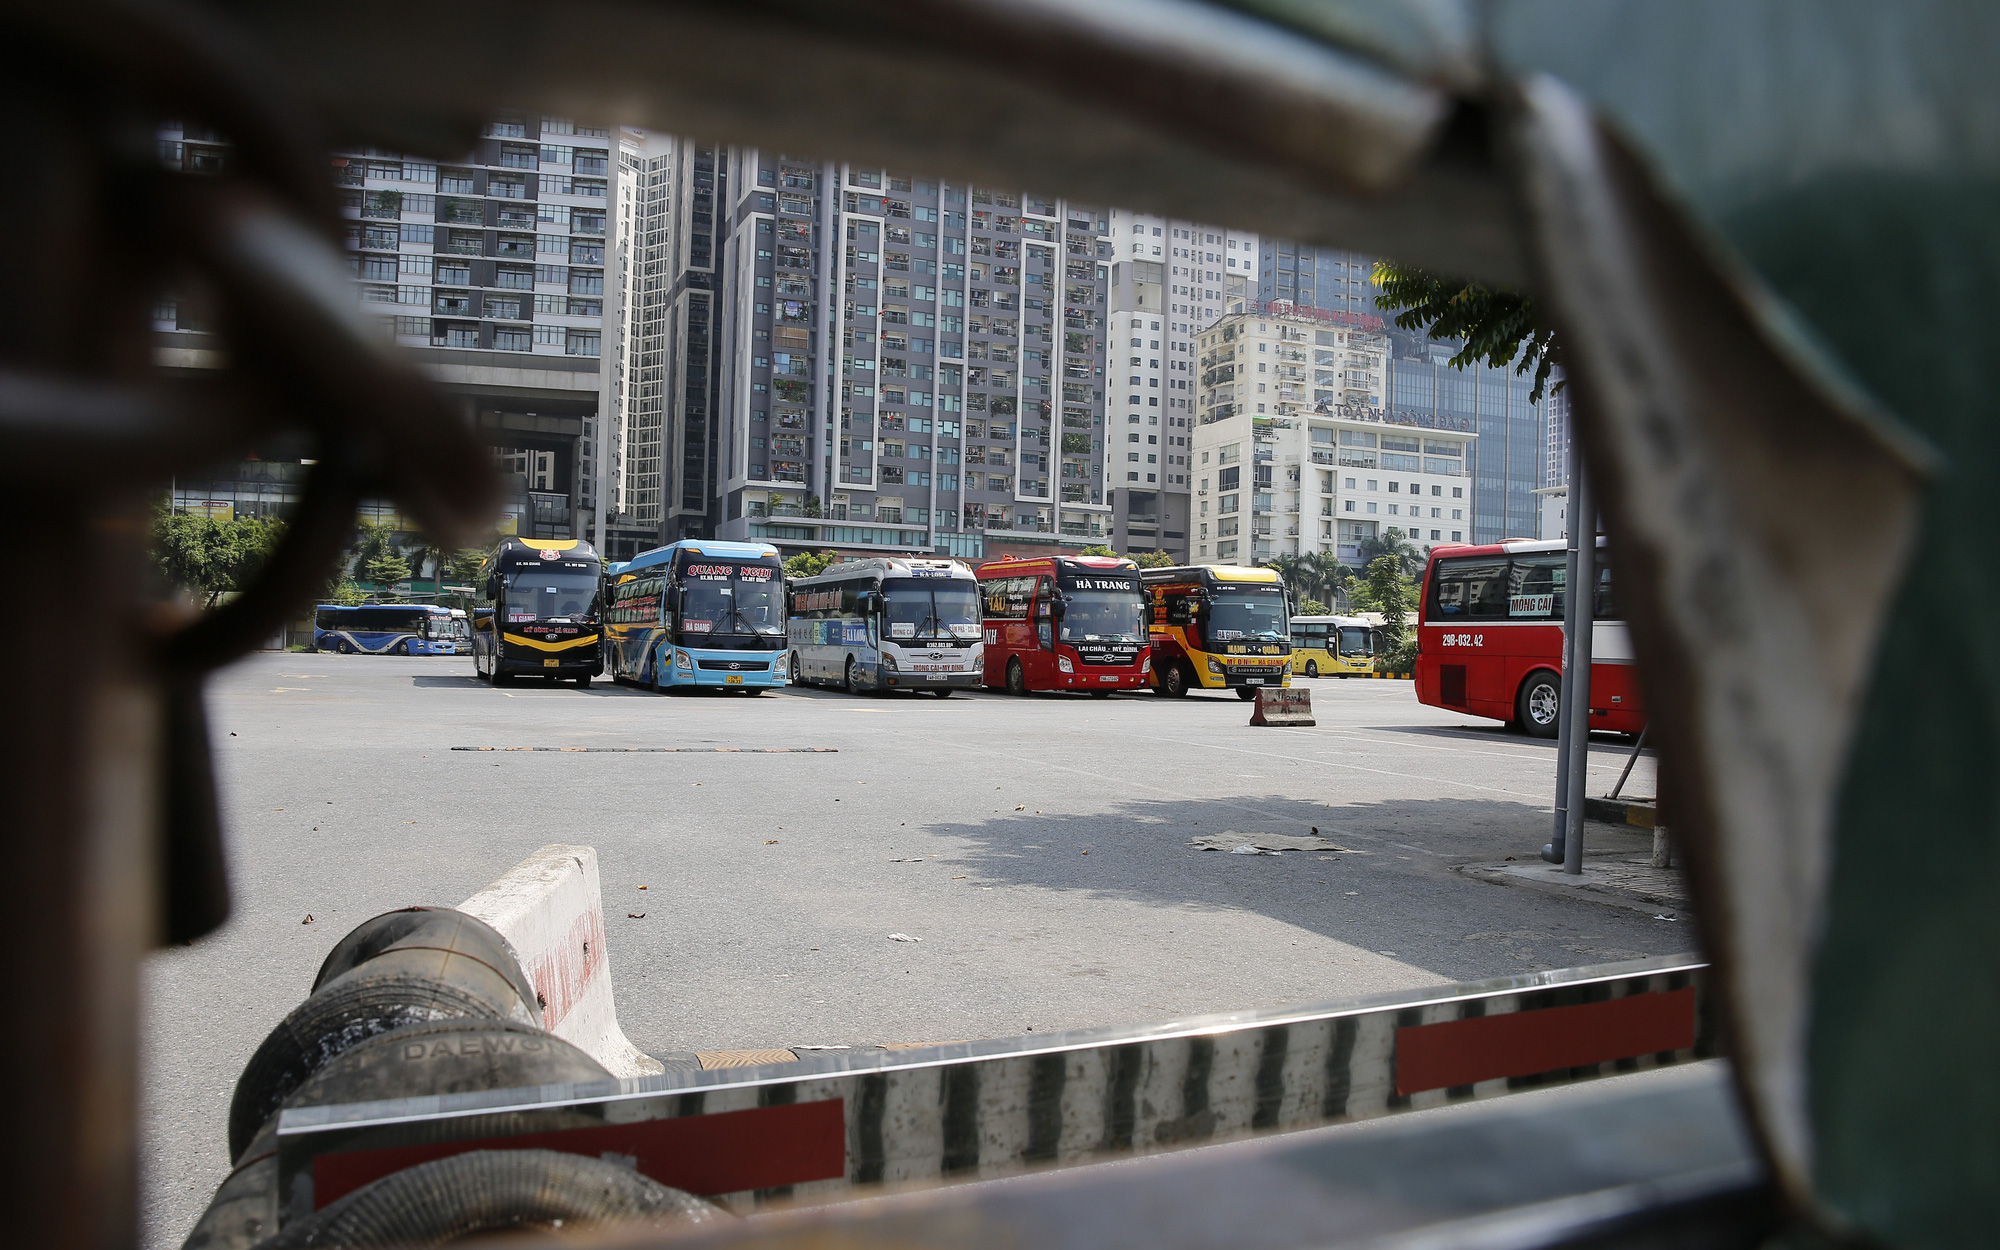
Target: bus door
{"type": "Point", "coordinates": [1469, 600]}
{"type": "Point", "coordinates": [1041, 660]}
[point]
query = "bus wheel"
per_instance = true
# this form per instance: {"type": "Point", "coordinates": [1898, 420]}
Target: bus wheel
{"type": "Point", "coordinates": [1174, 681]}
{"type": "Point", "coordinates": [1246, 693]}
{"type": "Point", "coordinates": [346, 647]}
{"type": "Point", "coordinates": [1100, 694]}
{"type": "Point", "coordinates": [583, 682]}
{"type": "Point", "coordinates": [795, 669]}
{"type": "Point", "coordinates": [942, 694]}
{"type": "Point", "coordinates": [1312, 668]}
{"type": "Point", "coordinates": [500, 678]}
{"type": "Point", "coordinates": [1539, 706]}
{"type": "Point", "coordinates": [847, 676]}
{"type": "Point", "coordinates": [1017, 678]}
{"type": "Point", "coordinates": [653, 673]}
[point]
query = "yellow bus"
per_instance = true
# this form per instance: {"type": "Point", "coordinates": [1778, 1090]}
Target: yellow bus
{"type": "Point", "coordinates": [1335, 646]}
{"type": "Point", "coordinates": [1218, 627]}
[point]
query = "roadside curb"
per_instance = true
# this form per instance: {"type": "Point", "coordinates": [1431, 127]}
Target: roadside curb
{"type": "Point", "coordinates": [550, 908]}
{"type": "Point", "coordinates": [1633, 884]}
{"type": "Point", "coordinates": [1395, 676]}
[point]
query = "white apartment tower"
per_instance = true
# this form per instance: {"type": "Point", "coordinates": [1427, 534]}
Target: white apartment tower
{"type": "Point", "coordinates": [1294, 451]}
{"type": "Point", "coordinates": [1169, 280]}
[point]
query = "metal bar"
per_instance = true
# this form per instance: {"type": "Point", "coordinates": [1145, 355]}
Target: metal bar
{"type": "Point", "coordinates": [1582, 604]}
{"type": "Point", "coordinates": [1630, 760]}
{"type": "Point", "coordinates": [974, 1110]}
{"type": "Point", "coordinates": [1554, 852]}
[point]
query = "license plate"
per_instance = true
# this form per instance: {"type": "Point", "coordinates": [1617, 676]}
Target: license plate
{"type": "Point", "coordinates": [1107, 679]}
{"type": "Point", "coordinates": [734, 679]}
{"type": "Point", "coordinates": [549, 663]}
{"type": "Point", "coordinates": [934, 677]}
{"type": "Point", "coordinates": [1253, 681]}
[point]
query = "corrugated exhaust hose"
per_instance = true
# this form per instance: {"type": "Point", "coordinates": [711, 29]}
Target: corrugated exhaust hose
{"type": "Point", "coordinates": [399, 969]}
{"type": "Point", "coordinates": [492, 1191]}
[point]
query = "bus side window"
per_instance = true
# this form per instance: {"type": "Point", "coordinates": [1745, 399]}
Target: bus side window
{"type": "Point", "coordinates": [1606, 606]}
{"type": "Point", "coordinates": [1180, 607]}
{"type": "Point", "coordinates": [1469, 589]}
{"type": "Point", "coordinates": [1537, 592]}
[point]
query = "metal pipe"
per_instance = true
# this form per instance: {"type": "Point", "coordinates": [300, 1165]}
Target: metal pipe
{"type": "Point", "coordinates": [1580, 607]}
{"type": "Point", "coordinates": [1630, 760]}
{"type": "Point", "coordinates": [1553, 852]}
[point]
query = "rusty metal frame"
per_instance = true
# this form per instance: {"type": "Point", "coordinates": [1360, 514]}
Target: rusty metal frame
{"type": "Point", "coordinates": [1383, 126]}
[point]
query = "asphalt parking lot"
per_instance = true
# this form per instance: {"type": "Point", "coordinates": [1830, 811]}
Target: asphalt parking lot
{"type": "Point", "coordinates": [1044, 851]}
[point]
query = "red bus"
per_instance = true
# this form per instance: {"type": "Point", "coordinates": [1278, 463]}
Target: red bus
{"type": "Point", "coordinates": [1065, 623]}
{"type": "Point", "coordinates": [1490, 639]}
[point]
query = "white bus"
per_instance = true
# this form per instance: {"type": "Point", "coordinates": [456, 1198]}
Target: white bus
{"type": "Point", "coordinates": [889, 625]}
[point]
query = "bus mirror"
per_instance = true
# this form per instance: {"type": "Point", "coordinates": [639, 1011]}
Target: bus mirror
{"type": "Point", "coordinates": [870, 603]}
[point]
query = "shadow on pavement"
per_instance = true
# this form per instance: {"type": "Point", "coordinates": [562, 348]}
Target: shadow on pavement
{"type": "Point", "coordinates": [1385, 880]}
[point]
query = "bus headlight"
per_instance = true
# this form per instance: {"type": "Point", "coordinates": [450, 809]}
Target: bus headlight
{"type": "Point", "coordinates": [1214, 667]}
{"type": "Point", "coordinates": [683, 660]}
{"type": "Point", "coordinates": [1145, 666]}
{"type": "Point", "coordinates": [888, 661]}
{"type": "Point", "coordinates": [1062, 662]}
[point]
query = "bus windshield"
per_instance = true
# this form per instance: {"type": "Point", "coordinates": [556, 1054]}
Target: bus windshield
{"type": "Point", "coordinates": [1356, 640]}
{"type": "Point", "coordinates": [925, 608]}
{"type": "Point", "coordinates": [744, 599]}
{"type": "Point", "coordinates": [549, 594]}
{"type": "Point", "coordinates": [1104, 616]}
{"type": "Point", "coordinates": [1248, 614]}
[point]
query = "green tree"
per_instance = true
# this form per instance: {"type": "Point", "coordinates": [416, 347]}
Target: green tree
{"type": "Point", "coordinates": [811, 564]}
{"type": "Point", "coordinates": [371, 543]}
{"type": "Point", "coordinates": [1153, 560]}
{"type": "Point", "coordinates": [1099, 549]}
{"type": "Point", "coordinates": [1499, 327]}
{"type": "Point", "coordinates": [464, 566]}
{"type": "Point", "coordinates": [345, 591]}
{"type": "Point", "coordinates": [1393, 542]}
{"type": "Point", "coordinates": [1390, 592]}
{"type": "Point", "coordinates": [389, 568]}
{"type": "Point", "coordinates": [207, 558]}
{"type": "Point", "coordinates": [1312, 607]}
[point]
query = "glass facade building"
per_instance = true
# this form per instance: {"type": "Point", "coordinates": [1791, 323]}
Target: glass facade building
{"type": "Point", "coordinates": [1508, 455]}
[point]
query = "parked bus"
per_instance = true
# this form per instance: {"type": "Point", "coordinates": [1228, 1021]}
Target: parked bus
{"type": "Point", "coordinates": [699, 612]}
{"type": "Point", "coordinates": [382, 629]}
{"type": "Point", "coordinates": [1064, 623]}
{"type": "Point", "coordinates": [540, 612]}
{"type": "Point", "coordinates": [1339, 646]}
{"type": "Point", "coordinates": [1491, 638]}
{"type": "Point", "coordinates": [1219, 627]}
{"type": "Point", "coordinates": [460, 632]}
{"type": "Point", "coordinates": [888, 625]}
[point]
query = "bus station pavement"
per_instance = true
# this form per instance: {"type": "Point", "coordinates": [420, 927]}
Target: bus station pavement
{"type": "Point", "coordinates": [1048, 854]}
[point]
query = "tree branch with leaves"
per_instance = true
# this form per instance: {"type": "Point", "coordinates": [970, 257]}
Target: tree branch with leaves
{"type": "Point", "coordinates": [1500, 328]}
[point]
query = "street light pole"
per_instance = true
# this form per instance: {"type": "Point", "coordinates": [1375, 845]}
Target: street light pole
{"type": "Point", "coordinates": [1573, 730]}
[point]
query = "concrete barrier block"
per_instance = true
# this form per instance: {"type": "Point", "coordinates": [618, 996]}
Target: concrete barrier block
{"type": "Point", "coordinates": [550, 908]}
{"type": "Point", "coordinates": [1280, 706]}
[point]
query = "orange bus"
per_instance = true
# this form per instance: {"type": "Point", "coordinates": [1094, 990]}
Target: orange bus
{"type": "Point", "coordinates": [1064, 623]}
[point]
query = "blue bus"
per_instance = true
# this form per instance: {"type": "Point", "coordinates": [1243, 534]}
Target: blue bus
{"type": "Point", "coordinates": [387, 629]}
{"type": "Point", "coordinates": [698, 612]}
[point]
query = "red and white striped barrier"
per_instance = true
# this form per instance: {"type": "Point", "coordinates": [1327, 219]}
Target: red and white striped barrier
{"type": "Point", "coordinates": [550, 909]}
{"type": "Point", "coordinates": [828, 1124]}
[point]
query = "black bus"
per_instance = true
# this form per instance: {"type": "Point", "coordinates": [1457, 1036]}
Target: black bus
{"type": "Point", "coordinates": [538, 612]}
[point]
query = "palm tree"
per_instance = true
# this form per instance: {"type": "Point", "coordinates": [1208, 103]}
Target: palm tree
{"type": "Point", "coordinates": [1331, 577]}
{"type": "Point", "coordinates": [1298, 573]}
{"type": "Point", "coordinates": [1393, 542]}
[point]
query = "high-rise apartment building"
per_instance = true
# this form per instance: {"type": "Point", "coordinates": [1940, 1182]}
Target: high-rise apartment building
{"type": "Point", "coordinates": [1317, 277]}
{"type": "Point", "coordinates": [822, 355]}
{"type": "Point", "coordinates": [1295, 451]}
{"type": "Point", "coordinates": [491, 269]}
{"type": "Point", "coordinates": [1169, 280]}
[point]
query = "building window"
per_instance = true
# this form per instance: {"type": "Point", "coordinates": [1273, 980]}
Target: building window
{"type": "Point", "coordinates": [583, 342]}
